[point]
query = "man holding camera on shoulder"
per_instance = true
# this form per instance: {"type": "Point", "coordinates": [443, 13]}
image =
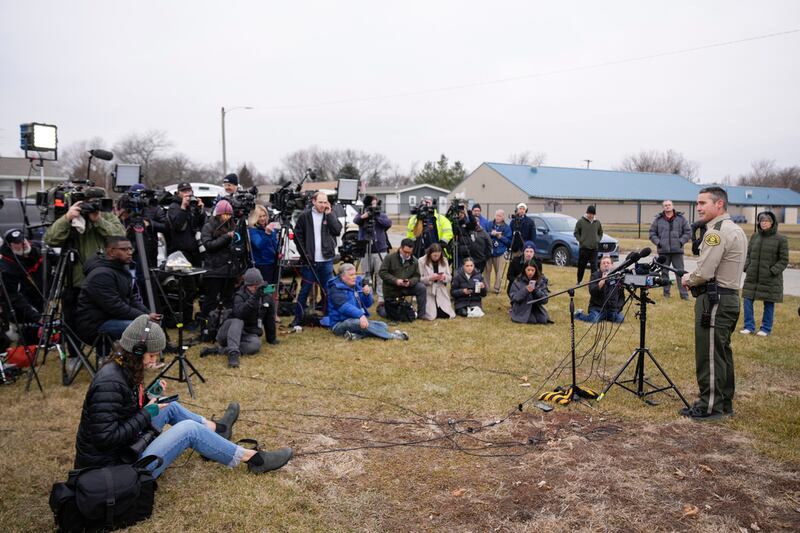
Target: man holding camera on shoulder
{"type": "Point", "coordinates": [185, 220]}
{"type": "Point", "coordinates": [715, 285]}
{"type": "Point", "coordinates": [372, 224]}
{"type": "Point", "coordinates": [428, 226]}
{"type": "Point", "coordinates": [84, 227]}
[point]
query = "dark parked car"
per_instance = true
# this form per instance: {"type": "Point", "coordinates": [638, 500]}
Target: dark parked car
{"type": "Point", "coordinates": [555, 240]}
{"type": "Point", "coordinates": [739, 219]}
{"type": "Point", "coordinates": [11, 216]}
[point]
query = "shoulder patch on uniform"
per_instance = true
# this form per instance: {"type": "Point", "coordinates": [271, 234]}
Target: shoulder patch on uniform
{"type": "Point", "coordinates": [712, 239]}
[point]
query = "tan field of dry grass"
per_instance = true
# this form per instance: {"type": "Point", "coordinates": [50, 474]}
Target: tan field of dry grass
{"type": "Point", "coordinates": [414, 415]}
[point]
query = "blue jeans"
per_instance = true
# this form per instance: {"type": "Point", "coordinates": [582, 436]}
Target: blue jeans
{"type": "Point", "coordinates": [114, 328]}
{"type": "Point", "coordinates": [188, 431]}
{"type": "Point", "coordinates": [324, 272]}
{"type": "Point", "coordinates": [596, 315]}
{"type": "Point", "coordinates": [766, 319]}
{"type": "Point", "coordinates": [376, 328]}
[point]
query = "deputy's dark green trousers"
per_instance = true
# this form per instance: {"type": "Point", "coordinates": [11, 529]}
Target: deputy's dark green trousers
{"type": "Point", "coordinates": [713, 354]}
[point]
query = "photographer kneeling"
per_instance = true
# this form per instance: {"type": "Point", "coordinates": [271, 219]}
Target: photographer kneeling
{"type": "Point", "coordinates": [239, 333]}
{"type": "Point", "coordinates": [529, 286]}
{"type": "Point", "coordinates": [117, 415]}
{"type": "Point", "coordinates": [349, 299]}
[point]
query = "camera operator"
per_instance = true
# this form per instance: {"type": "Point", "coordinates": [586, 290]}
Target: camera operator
{"type": "Point", "coordinates": [428, 227]}
{"type": "Point", "coordinates": [108, 302]}
{"type": "Point", "coordinates": [715, 285]}
{"type": "Point", "coordinates": [134, 209]}
{"type": "Point", "coordinates": [373, 223]}
{"type": "Point", "coordinates": [349, 300]}
{"type": "Point", "coordinates": [500, 233]}
{"type": "Point", "coordinates": [315, 234]}
{"type": "Point", "coordinates": [21, 267]}
{"type": "Point", "coordinates": [464, 226]}
{"type": "Point", "coordinates": [523, 229]}
{"type": "Point", "coordinates": [118, 419]}
{"type": "Point", "coordinates": [231, 185]}
{"type": "Point", "coordinates": [85, 228]}
{"type": "Point", "coordinates": [221, 273]}
{"type": "Point", "coordinates": [606, 296]}
{"type": "Point", "coordinates": [185, 218]}
{"type": "Point", "coordinates": [251, 310]}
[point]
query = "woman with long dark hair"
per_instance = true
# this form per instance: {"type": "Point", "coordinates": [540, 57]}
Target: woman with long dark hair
{"type": "Point", "coordinates": [529, 286]}
{"type": "Point", "coordinates": [435, 275]}
{"type": "Point", "coordinates": [117, 414]}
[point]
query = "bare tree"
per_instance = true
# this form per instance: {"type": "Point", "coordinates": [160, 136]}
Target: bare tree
{"type": "Point", "coordinates": [765, 173]}
{"type": "Point", "coordinates": [373, 167]}
{"type": "Point", "coordinates": [73, 159]}
{"type": "Point", "coordinates": [528, 158]}
{"type": "Point", "coordinates": [142, 149]}
{"type": "Point", "coordinates": [669, 162]}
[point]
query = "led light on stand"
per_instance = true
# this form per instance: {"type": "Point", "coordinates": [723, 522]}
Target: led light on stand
{"type": "Point", "coordinates": [36, 137]}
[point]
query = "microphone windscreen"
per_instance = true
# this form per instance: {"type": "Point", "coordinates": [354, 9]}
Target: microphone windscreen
{"type": "Point", "coordinates": [105, 155]}
{"type": "Point", "coordinates": [644, 252]}
{"type": "Point", "coordinates": [661, 259]}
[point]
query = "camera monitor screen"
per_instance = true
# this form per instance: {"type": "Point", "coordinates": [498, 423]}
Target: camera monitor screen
{"type": "Point", "coordinates": [125, 176]}
{"type": "Point", "coordinates": [347, 190]}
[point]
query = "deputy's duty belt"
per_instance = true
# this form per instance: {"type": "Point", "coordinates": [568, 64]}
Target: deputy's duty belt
{"type": "Point", "coordinates": [702, 289]}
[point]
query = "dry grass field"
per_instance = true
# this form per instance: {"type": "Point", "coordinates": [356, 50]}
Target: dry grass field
{"type": "Point", "coordinates": [397, 436]}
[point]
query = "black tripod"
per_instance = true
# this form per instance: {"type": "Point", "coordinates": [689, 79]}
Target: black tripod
{"type": "Point", "coordinates": [639, 379]}
{"type": "Point", "coordinates": [184, 365]}
{"type": "Point", "coordinates": [283, 249]}
{"type": "Point", "coordinates": [369, 239]}
{"type": "Point", "coordinates": [53, 323]}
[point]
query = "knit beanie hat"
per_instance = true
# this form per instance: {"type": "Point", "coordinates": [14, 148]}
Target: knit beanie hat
{"type": "Point", "coordinates": [477, 205]}
{"type": "Point", "coordinates": [253, 277]}
{"type": "Point", "coordinates": [222, 208]}
{"type": "Point", "coordinates": [136, 333]}
{"type": "Point", "coordinates": [529, 244]}
{"type": "Point", "coordinates": [231, 178]}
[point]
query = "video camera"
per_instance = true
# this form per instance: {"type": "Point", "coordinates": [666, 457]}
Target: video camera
{"type": "Point", "coordinates": [373, 210]}
{"type": "Point", "coordinates": [136, 201]}
{"type": "Point", "coordinates": [423, 210]}
{"type": "Point", "coordinates": [56, 201]}
{"type": "Point", "coordinates": [243, 202]}
{"type": "Point", "coordinates": [647, 275]}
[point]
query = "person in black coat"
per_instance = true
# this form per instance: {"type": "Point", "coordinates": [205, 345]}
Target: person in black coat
{"type": "Point", "coordinates": [185, 219]}
{"type": "Point", "coordinates": [219, 280]}
{"type": "Point", "coordinates": [22, 270]}
{"type": "Point", "coordinates": [606, 296]}
{"type": "Point", "coordinates": [529, 287]}
{"type": "Point", "coordinates": [118, 413]}
{"type": "Point", "coordinates": [467, 288]}
{"type": "Point", "coordinates": [517, 265]}
{"type": "Point", "coordinates": [315, 236]}
{"type": "Point", "coordinates": [523, 229]}
{"type": "Point", "coordinates": [108, 300]}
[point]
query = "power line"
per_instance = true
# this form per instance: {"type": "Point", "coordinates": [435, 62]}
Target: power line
{"type": "Point", "coordinates": [554, 72]}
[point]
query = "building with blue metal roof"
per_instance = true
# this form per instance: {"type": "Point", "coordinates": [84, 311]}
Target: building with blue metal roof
{"type": "Point", "coordinates": [620, 197]}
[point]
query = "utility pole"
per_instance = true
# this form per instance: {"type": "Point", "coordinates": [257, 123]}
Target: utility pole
{"type": "Point", "coordinates": [587, 161]}
{"type": "Point", "coordinates": [223, 112]}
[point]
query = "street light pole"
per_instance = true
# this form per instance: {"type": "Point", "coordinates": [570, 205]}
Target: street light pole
{"type": "Point", "coordinates": [222, 117]}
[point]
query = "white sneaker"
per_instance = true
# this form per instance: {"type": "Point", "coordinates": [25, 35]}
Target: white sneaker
{"type": "Point", "coordinates": [745, 332]}
{"type": "Point", "coordinates": [762, 334]}
{"type": "Point", "coordinates": [401, 334]}
{"type": "Point", "coordinates": [578, 312]}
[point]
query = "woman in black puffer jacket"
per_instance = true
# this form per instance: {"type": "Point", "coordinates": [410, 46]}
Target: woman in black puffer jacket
{"type": "Point", "coordinates": [219, 280]}
{"type": "Point", "coordinates": [117, 413]}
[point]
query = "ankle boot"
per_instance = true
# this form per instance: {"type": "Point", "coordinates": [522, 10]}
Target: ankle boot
{"type": "Point", "coordinates": [267, 461]}
{"type": "Point", "coordinates": [227, 420]}
{"type": "Point", "coordinates": [233, 360]}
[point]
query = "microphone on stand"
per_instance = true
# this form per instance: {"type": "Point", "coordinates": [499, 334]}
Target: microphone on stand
{"type": "Point", "coordinates": [631, 259]}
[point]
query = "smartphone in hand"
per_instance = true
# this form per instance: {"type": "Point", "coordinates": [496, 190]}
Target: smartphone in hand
{"type": "Point", "coordinates": [167, 399]}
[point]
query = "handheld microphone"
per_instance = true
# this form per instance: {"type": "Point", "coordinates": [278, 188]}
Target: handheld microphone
{"type": "Point", "coordinates": [105, 155]}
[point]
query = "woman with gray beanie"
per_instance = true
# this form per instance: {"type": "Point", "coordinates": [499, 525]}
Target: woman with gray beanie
{"type": "Point", "coordinates": [118, 413]}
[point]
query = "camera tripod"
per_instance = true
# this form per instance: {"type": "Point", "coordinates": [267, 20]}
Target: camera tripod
{"type": "Point", "coordinates": [639, 380]}
{"type": "Point", "coordinates": [283, 249]}
{"type": "Point", "coordinates": [184, 365]}
{"type": "Point", "coordinates": [53, 323]}
{"type": "Point", "coordinates": [369, 239]}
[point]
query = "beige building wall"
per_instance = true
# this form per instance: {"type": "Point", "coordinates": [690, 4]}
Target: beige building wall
{"type": "Point", "coordinates": [486, 185]}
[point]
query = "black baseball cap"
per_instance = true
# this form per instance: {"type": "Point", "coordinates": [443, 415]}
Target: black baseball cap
{"type": "Point", "coordinates": [184, 186]}
{"type": "Point", "coordinates": [14, 236]}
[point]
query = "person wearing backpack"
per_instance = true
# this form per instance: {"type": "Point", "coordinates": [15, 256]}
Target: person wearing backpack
{"type": "Point", "coordinates": [117, 413]}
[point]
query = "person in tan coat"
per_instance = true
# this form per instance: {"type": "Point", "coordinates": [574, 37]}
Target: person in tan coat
{"type": "Point", "coordinates": [435, 275]}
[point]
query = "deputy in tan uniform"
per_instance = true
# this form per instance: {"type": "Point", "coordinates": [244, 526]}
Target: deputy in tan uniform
{"type": "Point", "coordinates": [715, 284]}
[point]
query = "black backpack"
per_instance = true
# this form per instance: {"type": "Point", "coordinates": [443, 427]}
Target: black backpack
{"type": "Point", "coordinates": [105, 498]}
{"type": "Point", "coordinates": [399, 311]}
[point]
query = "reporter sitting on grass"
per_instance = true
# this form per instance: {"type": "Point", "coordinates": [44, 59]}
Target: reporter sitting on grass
{"type": "Point", "coordinates": [348, 308]}
{"type": "Point", "coordinates": [467, 289]}
{"type": "Point", "coordinates": [529, 286]}
{"type": "Point", "coordinates": [116, 414]}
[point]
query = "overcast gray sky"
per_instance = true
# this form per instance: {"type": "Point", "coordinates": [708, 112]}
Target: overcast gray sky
{"type": "Point", "coordinates": [329, 74]}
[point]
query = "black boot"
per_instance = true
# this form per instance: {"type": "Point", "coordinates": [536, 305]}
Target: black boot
{"type": "Point", "coordinates": [266, 461]}
{"type": "Point", "coordinates": [233, 359]}
{"type": "Point", "coordinates": [227, 420]}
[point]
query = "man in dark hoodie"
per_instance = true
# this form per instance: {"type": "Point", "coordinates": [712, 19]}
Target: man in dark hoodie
{"type": "Point", "coordinates": [108, 301]}
{"type": "Point", "coordinates": [669, 232]}
{"type": "Point", "coordinates": [22, 269]}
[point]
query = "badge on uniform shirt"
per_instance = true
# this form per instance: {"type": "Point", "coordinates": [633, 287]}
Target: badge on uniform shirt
{"type": "Point", "coordinates": [712, 239]}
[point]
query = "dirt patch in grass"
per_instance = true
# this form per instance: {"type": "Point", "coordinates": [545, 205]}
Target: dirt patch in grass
{"type": "Point", "coordinates": [564, 469]}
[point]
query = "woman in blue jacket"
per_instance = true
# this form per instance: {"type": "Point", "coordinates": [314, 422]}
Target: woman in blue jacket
{"type": "Point", "coordinates": [264, 243]}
